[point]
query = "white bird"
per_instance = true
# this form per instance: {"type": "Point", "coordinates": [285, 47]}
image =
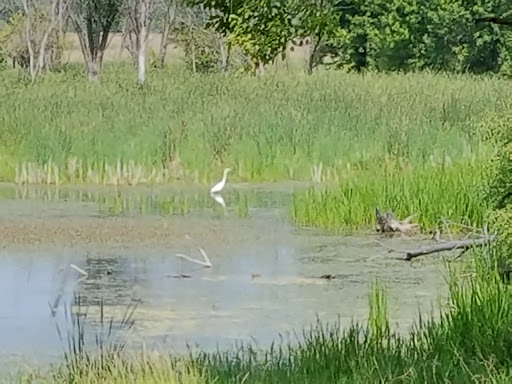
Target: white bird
{"type": "Point", "coordinates": [220, 185]}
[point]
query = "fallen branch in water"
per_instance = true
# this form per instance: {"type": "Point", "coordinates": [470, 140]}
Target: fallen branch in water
{"type": "Point", "coordinates": [206, 260]}
{"type": "Point", "coordinates": [206, 263]}
{"type": "Point", "coordinates": [79, 270]}
{"type": "Point", "coordinates": [388, 223]}
{"type": "Point", "coordinates": [449, 246]}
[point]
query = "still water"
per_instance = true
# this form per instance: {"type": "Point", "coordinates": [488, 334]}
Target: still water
{"type": "Point", "coordinates": [264, 282]}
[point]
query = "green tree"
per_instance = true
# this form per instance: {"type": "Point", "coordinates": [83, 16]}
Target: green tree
{"type": "Point", "coordinates": [94, 21]}
{"type": "Point", "coordinates": [318, 21]}
{"type": "Point", "coordinates": [419, 34]}
{"type": "Point", "coordinates": [261, 28]}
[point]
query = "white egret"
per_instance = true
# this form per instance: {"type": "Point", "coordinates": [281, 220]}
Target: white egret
{"type": "Point", "coordinates": [220, 185]}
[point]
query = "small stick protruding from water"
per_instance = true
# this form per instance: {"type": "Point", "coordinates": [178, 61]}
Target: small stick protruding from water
{"type": "Point", "coordinates": [206, 263]}
{"type": "Point", "coordinates": [79, 270]}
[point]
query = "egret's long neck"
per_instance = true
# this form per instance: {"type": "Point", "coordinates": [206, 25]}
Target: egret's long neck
{"type": "Point", "coordinates": [225, 176]}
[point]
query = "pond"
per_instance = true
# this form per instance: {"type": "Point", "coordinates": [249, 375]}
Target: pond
{"type": "Point", "coordinates": [264, 281]}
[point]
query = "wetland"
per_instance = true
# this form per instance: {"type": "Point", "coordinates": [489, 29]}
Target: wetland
{"type": "Point", "coordinates": [103, 186]}
{"type": "Point", "coordinates": [264, 283]}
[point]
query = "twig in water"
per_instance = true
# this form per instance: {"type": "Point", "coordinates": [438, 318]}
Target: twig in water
{"type": "Point", "coordinates": [436, 236]}
{"type": "Point", "coordinates": [206, 263]}
{"type": "Point", "coordinates": [79, 270]}
{"type": "Point", "coordinates": [460, 254]}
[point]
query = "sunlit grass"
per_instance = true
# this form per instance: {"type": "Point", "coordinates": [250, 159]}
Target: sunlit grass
{"type": "Point", "coordinates": [452, 191]}
{"type": "Point", "coordinates": [468, 342]}
{"type": "Point", "coordinates": [184, 127]}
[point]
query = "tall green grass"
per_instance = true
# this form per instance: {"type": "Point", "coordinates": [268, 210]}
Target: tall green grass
{"type": "Point", "coordinates": [452, 191]}
{"type": "Point", "coordinates": [469, 342]}
{"type": "Point", "coordinates": [188, 127]}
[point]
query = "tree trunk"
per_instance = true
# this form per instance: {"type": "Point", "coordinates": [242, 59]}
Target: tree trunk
{"type": "Point", "coordinates": [61, 20]}
{"type": "Point", "coordinates": [93, 69]}
{"type": "Point", "coordinates": [224, 56]}
{"type": "Point", "coordinates": [311, 53]}
{"type": "Point", "coordinates": [141, 68]}
{"type": "Point", "coordinates": [28, 39]}
{"type": "Point", "coordinates": [164, 42]}
{"type": "Point", "coordinates": [261, 69]}
{"type": "Point", "coordinates": [163, 46]}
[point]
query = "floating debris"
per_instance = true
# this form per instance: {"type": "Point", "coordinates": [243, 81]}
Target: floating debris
{"type": "Point", "coordinates": [328, 277]}
{"type": "Point", "coordinates": [180, 276]}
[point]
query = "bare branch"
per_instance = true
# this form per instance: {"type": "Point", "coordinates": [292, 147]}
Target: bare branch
{"type": "Point", "coordinates": [79, 270]}
{"type": "Point", "coordinates": [28, 37]}
{"type": "Point", "coordinates": [449, 246]}
{"type": "Point", "coordinates": [206, 263]}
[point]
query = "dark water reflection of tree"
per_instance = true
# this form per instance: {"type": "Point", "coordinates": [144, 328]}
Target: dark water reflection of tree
{"type": "Point", "coordinates": [111, 278]}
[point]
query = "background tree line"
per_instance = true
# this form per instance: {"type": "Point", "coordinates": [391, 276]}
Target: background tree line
{"type": "Point", "coordinates": [227, 35]}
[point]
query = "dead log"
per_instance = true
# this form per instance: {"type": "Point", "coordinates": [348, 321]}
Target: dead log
{"type": "Point", "coordinates": [449, 246]}
{"type": "Point", "coordinates": [387, 222]}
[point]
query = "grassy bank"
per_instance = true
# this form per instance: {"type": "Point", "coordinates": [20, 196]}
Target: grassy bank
{"type": "Point", "coordinates": [431, 191]}
{"type": "Point", "coordinates": [351, 132]}
{"type": "Point", "coordinates": [469, 343]}
{"type": "Point", "coordinates": [189, 127]}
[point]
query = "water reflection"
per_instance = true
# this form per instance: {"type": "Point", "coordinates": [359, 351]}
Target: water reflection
{"type": "Point", "coordinates": [215, 306]}
{"type": "Point", "coordinates": [111, 278]}
{"type": "Point", "coordinates": [219, 199]}
{"type": "Point", "coordinates": [150, 201]}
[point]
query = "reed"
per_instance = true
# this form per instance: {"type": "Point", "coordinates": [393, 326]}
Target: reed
{"type": "Point", "coordinates": [433, 191]}
{"type": "Point", "coordinates": [185, 127]}
{"type": "Point", "coordinates": [468, 342]}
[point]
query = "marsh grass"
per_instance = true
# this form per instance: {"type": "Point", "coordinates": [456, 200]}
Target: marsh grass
{"type": "Point", "coordinates": [189, 127]}
{"type": "Point", "coordinates": [469, 342]}
{"type": "Point", "coordinates": [449, 190]}
{"type": "Point", "coordinates": [331, 127]}
{"type": "Point", "coordinates": [106, 360]}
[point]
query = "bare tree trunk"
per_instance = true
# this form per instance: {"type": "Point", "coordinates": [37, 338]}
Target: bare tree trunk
{"type": "Point", "coordinates": [124, 35]}
{"type": "Point", "coordinates": [311, 53]}
{"type": "Point", "coordinates": [42, 48]}
{"type": "Point", "coordinates": [261, 69]}
{"type": "Point", "coordinates": [28, 38]}
{"type": "Point", "coordinates": [94, 69]}
{"type": "Point", "coordinates": [36, 67]}
{"type": "Point", "coordinates": [170, 16]}
{"type": "Point", "coordinates": [61, 20]}
{"type": "Point", "coordinates": [193, 42]}
{"type": "Point", "coordinates": [194, 69]}
{"type": "Point", "coordinates": [164, 43]}
{"type": "Point", "coordinates": [223, 55]}
{"type": "Point", "coordinates": [94, 34]}
{"type": "Point", "coordinates": [141, 67]}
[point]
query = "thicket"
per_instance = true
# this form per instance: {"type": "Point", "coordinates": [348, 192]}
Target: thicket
{"type": "Point", "coordinates": [396, 35]}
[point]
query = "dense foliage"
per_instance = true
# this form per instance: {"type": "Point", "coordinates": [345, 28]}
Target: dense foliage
{"type": "Point", "coordinates": [382, 35]}
{"type": "Point", "coordinates": [356, 34]}
{"type": "Point", "coordinates": [419, 34]}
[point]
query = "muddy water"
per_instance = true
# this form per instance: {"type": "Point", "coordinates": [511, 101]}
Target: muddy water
{"type": "Point", "coordinates": [263, 282]}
